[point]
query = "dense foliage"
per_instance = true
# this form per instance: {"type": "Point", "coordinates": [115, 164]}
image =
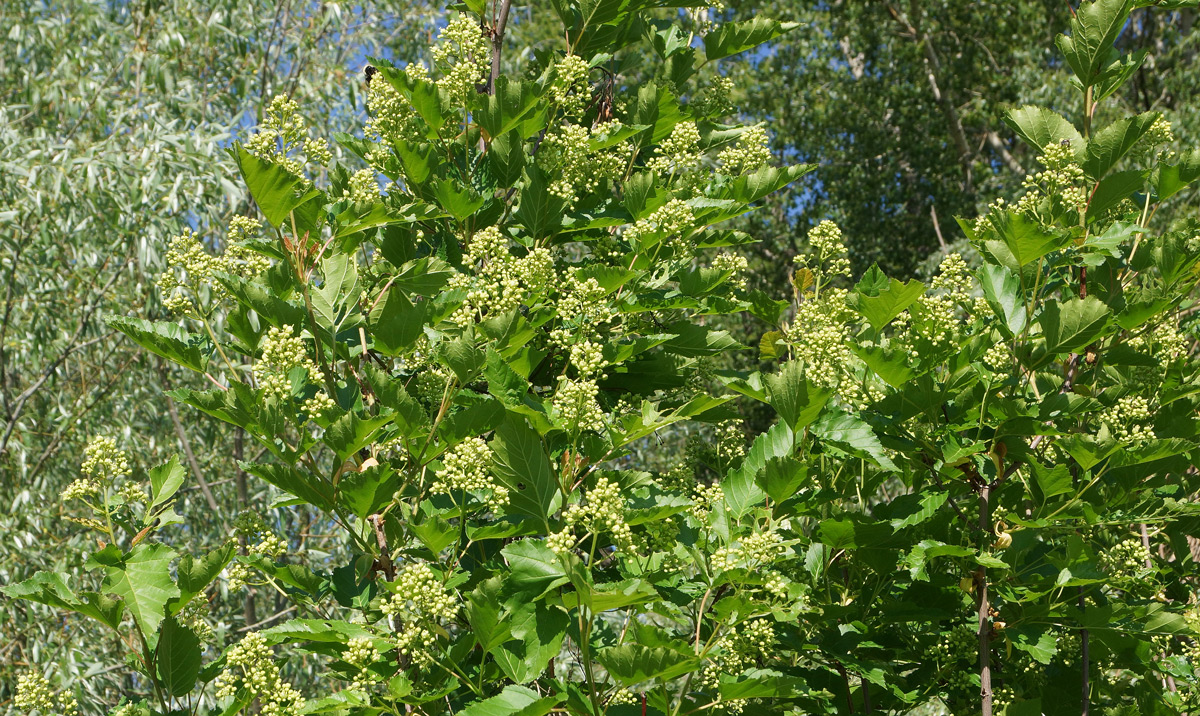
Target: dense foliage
{"type": "Point", "coordinates": [975, 493]}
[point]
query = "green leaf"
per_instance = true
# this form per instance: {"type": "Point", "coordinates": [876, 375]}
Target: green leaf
{"type": "Point", "coordinates": [539, 629]}
{"type": "Point", "coordinates": [350, 433]}
{"type": "Point", "coordinates": [483, 612]}
{"type": "Point", "coordinates": [894, 366]}
{"type": "Point", "coordinates": [276, 191]}
{"type": "Point", "coordinates": [167, 340]}
{"type": "Point", "coordinates": [165, 481]}
{"type": "Point", "coordinates": [749, 188]}
{"type": "Point", "coordinates": [1174, 178]}
{"type": "Point", "coordinates": [740, 487]}
{"type": "Point", "coordinates": [142, 579]}
{"type": "Point", "coordinates": [513, 701]}
{"type": "Point", "coordinates": [797, 399]}
{"type": "Point", "coordinates": [520, 464]}
{"type": "Point", "coordinates": [366, 492]}
{"type": "Point", "coordinates": [1041, 645]}
{"type": "Point", "coordinates": [504, 110]}
{"type": "Point", "coordinates": [51, 588]}
{"type": "Point", "coordinates": [1040, 127]}
{"type": "Point", "coordinates": [633, 663]}
{"type": "Point", "coordinates": [730, 38]}
{"type": "Point", "coordinates": [1070, 326]}
{"type": "Point", "coordinates": [312, 490]}
{"type": "Point", "coordinates": [1025, 239]}
{"type": "Point", "coordinates": [782, 477]}
{"type": "Point", "coordinates": [1094, 29]}
{"type": "Point", "coordinates": [849, 433]}
{"type": "Point", "coordinates": [1112, 143]}
{"type": "Point", "coordinates": [396, 323]}
{"type": "Point", "coordinates": [194, 575]}
{"type": "Point", "coordinates": [1002, 289]}
{"type": "Point", "coordinates": [177, 658]}
{"type": "Point", "coordinates": [880, 306]}
{"type": "Point", "coordinates": [535, 569]}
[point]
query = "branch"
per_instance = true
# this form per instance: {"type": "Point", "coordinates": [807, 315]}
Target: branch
{"type": "Point", "coordinates": [1006, 156]}
{"type": "Point", "coordinates": [187, 447]}
{"type": "Point", "coordinates": [497, 32]}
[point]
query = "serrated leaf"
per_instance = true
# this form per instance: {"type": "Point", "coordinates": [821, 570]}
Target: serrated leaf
{"type": "Point", "coordinates": [730, 38]}
{"type": "Point", "coordinates": [167, 340]}
{"type": "Point", "coordinates": [177, 658]}
{"type": "Point", "coordinates": [142, 579]}
{"type": "Point", "coordinates": [1040, 127]}
{"type": "Point", "coordinates": [634, 663]}
{"type": "Point", "coordinates": [1070, 326]}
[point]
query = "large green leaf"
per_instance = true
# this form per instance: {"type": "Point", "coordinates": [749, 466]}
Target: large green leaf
{"type": "Point", "coordinates": [1040, 127]}
{"type": "Point", "coordinates": [51, 588]}
{"type": "Point", "coordinates": [1174, 178]}
{"type": "Point", "coordinates": [1070, 326]}
{"type": "Point", "coordinates": [142, 578]}
{"type": "Point", "coordinates": [1094, 29]}
{"type": "Point", "coordinates": [194, 575]}
{"type": "Point", "coordinates": [538, 629]}
{"type": "Point", "coordinates": [633, 663]}
{"type": "Point", "coordinates": [797, 399]}
{"type": "Point", "coordinates": [850, 433]}
{"type": "Point", "coordinates": [177, 658]}
{"type": "Point", "coordinates": [513, 701]}
{"type": "Point", "coordinates": [740, 487]}
{"type": "Point", "coordinates": [1113, 142]}
{"type": "Point", "coordinates": [165, 481]}
{"type": "Point", "coordinates": [276, 191]}
{"type": "Point", "coordinates": [730, 38]}
{"type": "Point", "coordinates": [522, 466]}
{"type": "Point", "coordinates": [879, 299]}
{"type": "Point", "coordinates": [1002, 290]}
{"type": "Point", "coordinates": [396, 322]}
{"type": "Point", "coordinates": [512, 101]}
{"type": "Point", "coordinates": [167, 340]}
{"type": "Point", "coordinates": [1022, 240]}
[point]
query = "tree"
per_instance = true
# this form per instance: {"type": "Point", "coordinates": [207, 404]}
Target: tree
{"type": "Point", "coordinates": [975, 494]}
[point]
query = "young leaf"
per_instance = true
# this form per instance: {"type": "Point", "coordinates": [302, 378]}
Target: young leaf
{"type": "Point", "coordinates": [142, 578]}
{"type": "Point", "coordinates": [797, 399]}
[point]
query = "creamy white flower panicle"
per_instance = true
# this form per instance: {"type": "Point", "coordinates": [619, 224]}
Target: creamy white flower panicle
{"type": "Point", "coordinates": [282, 139]}
{"type": "Point", "coordinates": [1128, 420]}
{"type": "Point", "coordinates": [749, 153]}
{"type": "Point", "coordinates": [282, 351]}
{"type": "Point", "coordinates": [671, 223]}
{"type": "Point", "coordinates": [1063, 182]}
{"type": "Point", "coordinates": [464, 55]}
{"type": "Point", "coordinates": [103, 465]}
{"type": "Point", "coordinates": [35, 694]}
{"type": "Point", "coordinates": [954, 278]}
{"type": "Point", "coordinates": [714, 100]}
{"type": "Point", "coordinates": [250, 665]}
{"type": "Point", "coordinates": [679, 153]}
{"type": "Point", "coordinates": [392, 118]}
{"type": "Point", "coordinates": [361, 652]}
{"type": "Point", "coordinates": [736, 264]}
{"type": "Point", "coordinates": [818, 337]}
{"type": "Point", "coordinates": [190, 267]}
{"type": "Point", "coordinates": [363, 188]}
{"type": "Point", "coordinates": [569, 88]}
{"type": "Point", "coordinates": [602, 513]}
{"type": "Point", "coordinates": [260, 538]}
{"type": "Point", "coordinates": [576, 169]}
{"type": "Point", "coordinates": [418, 603]}
{"type": "Point", "coordinates": [467, 466]}
{"type": "Point", "coordinates": [499, 282]}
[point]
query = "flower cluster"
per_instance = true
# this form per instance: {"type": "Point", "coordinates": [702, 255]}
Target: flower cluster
{"type": "Point", "coordinates": [932, 328]}
{"type": "Point", "coordinates": [103, 464]}
{"type": "Point", "coordinates": [282, 351]}
{"type": "Point", "coordinates": [361, 652]}
{"type": "Point", "coordinates": [575, 404]}
{"type": "Point", "coordinates": [679, 154]}
{"type": "Point", "coordinates": [1125, 560]}
{"type": "Point", "coordinates": [730, 444]}
{"type": "Point", "coordinates": [363, 187]}
{"type": "Point", "coordinates": [320, 405]}
{"type": "Point", "coordinates": [714, 101]}
{"type": "Point", "coordinates": [754, 550]}
{"type": "Point", "coordinates": [186, 254]}
{"type": "Point", "coordinates": [419, 600]}
{"type": "Point", "coordinates": [260, 538]}
{"type": "Point", "coordinates": [1060, 187]}
{"type": "Point", "coordinates": [735, 264]}
{"type": "Point", "coordinates": [464, 55]}
{"type": "Point", "coordinates": [581, 304]}
{"type": "Point", "coordinates": [954, 278]}
{"type": "Point", "coordinates": [959, 646]}
{"type": "Point", "coordinates": [749, 153]}
{"type": "Point", "coordinates": [34, 694]}
{"type": "Point", "coordinates": [830, 257]}
{"type": "Point", "coordinates": [238, 576]}
{"type": "Point", "coordinates": [604, 512]}
{"type": "Point", "coordinates": [500, 281]}
{"type": "Point", "coordinates": [1127, 420]}
{"type": "Point", "coordinates": [194, 616]}
{"type": "Point", "coordinates": [818, 337]}
{"type": "Point", "coordinates": [569, 88]}
{"type": "Point", "coordinates": [249, 667]}
{"type": "Point", "coordinates": [567, 155]}
{"type": "Point", "coordinates": [745, 645]}
{"type": "Point", "coordinates": [392, 118]}
{"type": "Point", "coordinates": [466, 466]}
{"type": "Point", "coordinates": [283, 132]}
{"type": "Point", "coordinates": [999, 358]}
{"type": "Point", "coordinates": [705, 498]}
{"type": "Point", "coordinates": [672, 223]}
